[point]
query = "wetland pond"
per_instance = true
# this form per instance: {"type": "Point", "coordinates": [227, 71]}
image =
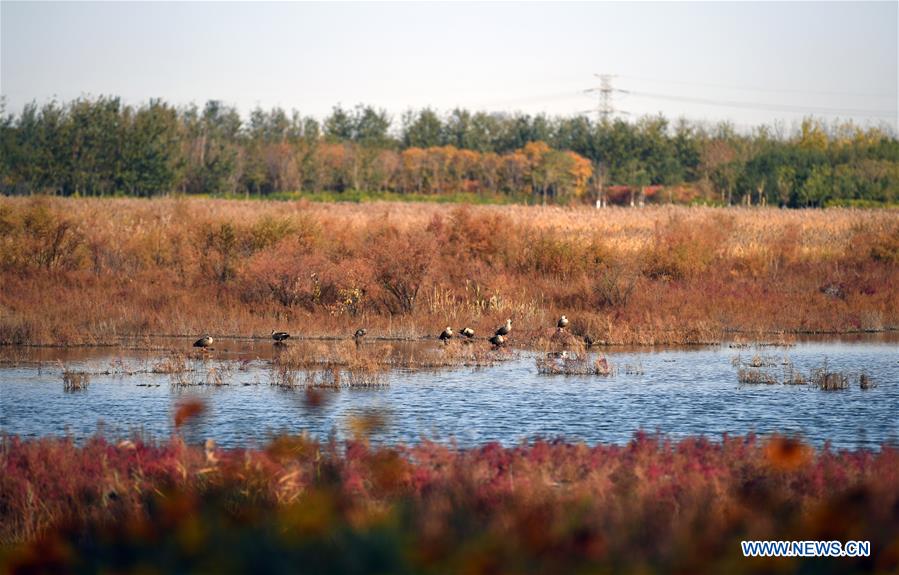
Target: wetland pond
{"type": "Point", "coordinates": [675, 391]}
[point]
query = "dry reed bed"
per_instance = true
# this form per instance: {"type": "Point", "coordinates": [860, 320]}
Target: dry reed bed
{"type": "Point", "coordinates": [352, 365]}
{"type": "Point", "coordinates": [74, 380]}
{"type": "Point", "coordinates": [651, 506]}
{"type": "Point", "coordinates": [573, 363]}
{"type": "Point", "coordinates": [331, 365]}
{"type": "Point", "coordinates": [97, 270]}
{"type": "Point", "coordinates": [763, 370]}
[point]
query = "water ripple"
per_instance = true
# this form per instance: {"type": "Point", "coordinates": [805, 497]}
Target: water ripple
{"type": "Point", "coordinates": [679, 393]}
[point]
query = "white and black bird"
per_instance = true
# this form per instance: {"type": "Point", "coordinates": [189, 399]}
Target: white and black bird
{"type": "Point", "coordinates": [563, 323]}
{"type": "Point", "coordinates": [446, 335]}
{"type": "Point", "coordinates": [204, 342]}
{"type": "Point", "coordinates": [504, 329]}
{"type": "Point", "coordinates": [497, 340]}
{"type": "Point", "coordinates": [280, 336]}
{"type": "Point", "coordinates": [467, 332]}
{"type": "Point", "coordinates": [360, 333]}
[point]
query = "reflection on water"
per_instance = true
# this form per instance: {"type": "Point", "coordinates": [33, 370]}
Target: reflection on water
{"type": "Point", "coordinates": [676, 391]}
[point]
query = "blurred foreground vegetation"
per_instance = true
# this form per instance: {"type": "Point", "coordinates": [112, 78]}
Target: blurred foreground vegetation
{"type": "Point", "coordinates": [297, 505]}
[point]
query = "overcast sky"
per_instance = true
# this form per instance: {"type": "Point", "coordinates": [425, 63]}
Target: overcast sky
{"type": "Point", "coordinates": [748, 62]}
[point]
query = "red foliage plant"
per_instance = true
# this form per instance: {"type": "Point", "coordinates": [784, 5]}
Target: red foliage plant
{"type": "Point", "coordinates": [653, 505]}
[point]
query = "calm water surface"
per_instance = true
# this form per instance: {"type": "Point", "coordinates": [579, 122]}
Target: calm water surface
{"type": "Point", "coordinates": [676, 391]}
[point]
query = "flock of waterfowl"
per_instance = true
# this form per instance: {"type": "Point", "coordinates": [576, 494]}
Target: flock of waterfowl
{"type": "Point", "coordinates": [498, 339]}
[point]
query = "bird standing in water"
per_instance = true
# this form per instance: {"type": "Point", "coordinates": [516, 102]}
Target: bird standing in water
{"type": "Point", "coordinates": [204, 342]}
{"type": "Point", "coordinates": [280, 336]}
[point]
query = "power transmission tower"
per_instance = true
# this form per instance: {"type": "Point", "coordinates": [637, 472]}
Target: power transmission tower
{"type": "Point", "coordinates": [605, 108]}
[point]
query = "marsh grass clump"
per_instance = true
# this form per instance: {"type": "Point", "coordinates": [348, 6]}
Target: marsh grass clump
{"type": "Point", "coordinates": [825, 379]}
{"type": "Point", "coordinates": [334, 367]}
{"type": "Point", "coordinates": [75, 380]}
{"type": "Point", "coordinates": [560, 341]}
{"type": "Point", "coordinates": [456, 354]}
{"type": "Point", "coordinates": [782, 340]}
{"type": "Point", "coordinates": [353, 377]}
{"type": "Point", "coordinates": [216, 376]}
{"type": "Point", "coordinates": [365, 379]}
{"type": "Point", "coordinates": [762, 361]}
{"type": "Point", "coordinates": [572, 363]}
{"type": "Point", "coordinates": [822, 378]}
{"type": "Point", "coordinates": [372, 359]}
{"type": "Point", "coordinates": [344, 365]}
{"type": "Point", "coordinates": [197, 372]}
{"type": "Point", "coordinates": [865, 382]}
{"type": "Point", "coordinates": [327, 377]}
{"type": "Point", "coordinates": [180, 379]}
{"type": "Point", "coordinates": [285, 376]}
{"type": "Point", "coordinates": [601, 366]}
{"type": "Point", "coordinates": [120, 368]}
{"type": "Point", "coordinates": [567, 340]}
{"type": "Point", "coordinates": [173, 363]}
{"type": "Point", "coordinates": [794, 377]}
{"type": "Point", "coordinates": [830, 381]}
{"type": "Point", "coordinates": [752, 376]}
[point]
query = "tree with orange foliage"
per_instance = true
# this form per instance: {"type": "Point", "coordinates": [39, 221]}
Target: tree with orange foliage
{"type": "Point", "coordinates": [580, 171]}
{"type": "Point", "coordinates": [413, 174]}
{"type": "Point", "coordinates": [538, 168]}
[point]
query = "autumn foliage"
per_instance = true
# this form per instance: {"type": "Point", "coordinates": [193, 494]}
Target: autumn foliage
{"type": "Point", "coordinates": [95, 270]}
{"type": "Point", "coordinates": [651, 506]}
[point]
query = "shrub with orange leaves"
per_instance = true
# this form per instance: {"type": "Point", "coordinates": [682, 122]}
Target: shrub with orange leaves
{"type": "Point", "coordinates": [787, 453]}
{"type": "Point", "coordinates": [186, 410]}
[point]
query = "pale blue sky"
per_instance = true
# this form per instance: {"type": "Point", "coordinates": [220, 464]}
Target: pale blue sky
{"type": "Point", "coordinates": [774, 60]}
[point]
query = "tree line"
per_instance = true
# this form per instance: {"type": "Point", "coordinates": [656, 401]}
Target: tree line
{"type": "Point", "coordinates": [101, 146]}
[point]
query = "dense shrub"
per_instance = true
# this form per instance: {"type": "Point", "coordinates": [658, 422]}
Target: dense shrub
{"type": "Point", "coordinates": [683, 249]}
{"type": "Point", "coordinates": [400, 261]}
{"type": "Point", "coordinates": [38, 235]}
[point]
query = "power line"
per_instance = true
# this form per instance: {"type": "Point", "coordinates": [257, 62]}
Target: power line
{"type": "Point", "coordinates": [825, 111]}
{"type": "Point", "coordinates": [752, 89]}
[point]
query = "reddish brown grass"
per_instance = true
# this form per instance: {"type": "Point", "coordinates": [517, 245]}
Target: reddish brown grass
{"type": "Point", "coordinates": [78, 271]}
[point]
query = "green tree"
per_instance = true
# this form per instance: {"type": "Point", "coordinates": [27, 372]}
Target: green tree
{"type": "Point", "coordinates": [818, 187]}
{"type": "Point", "coordinates": [151, 156]}
{"type": "Point", "coordinates": [422, 129]}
